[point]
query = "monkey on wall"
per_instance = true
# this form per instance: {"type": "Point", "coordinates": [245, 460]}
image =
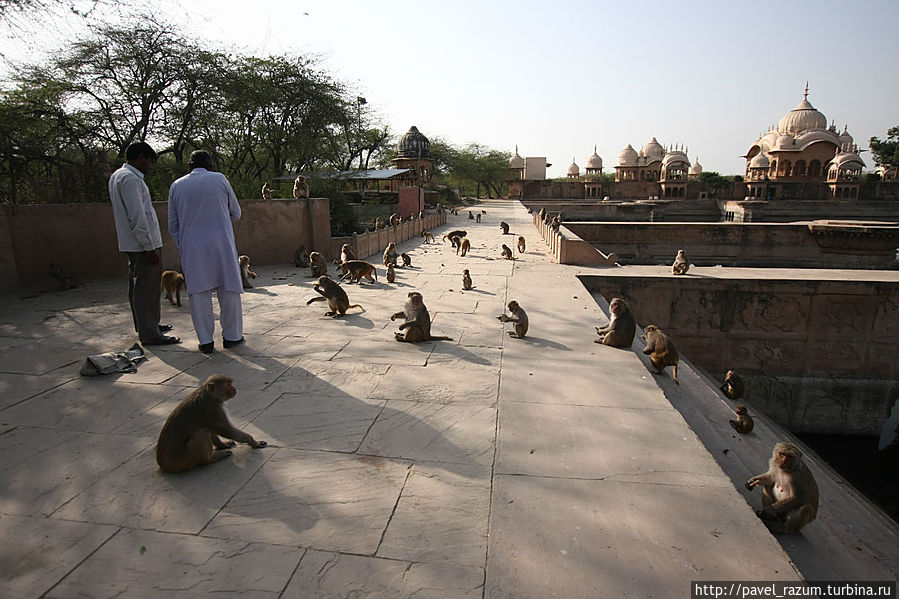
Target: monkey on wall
{"type": "Point", "coordinates": [337, 299]}
{"type": "Point", "coordinates": [391, 273]}
{"type": "Point", "coordinates": [417, 323]}
{"type": "Point", "coordinates": [505, 227]}
{"type": "Point", "coordinates": [519, 318]}
{"type": "Point", "coordinates": [744, 423]}
{"type": "Point", "coordinates": [378, 224]}
{"type": "Point", "coordinates": [62, 275]}
{"type": "Point", "coordinates": [300, 188]}
{"type": "Point", "coordinates": [245, 273]}
{"type": "Point", "coordinates": [356, 269]}
{"type": "Point", "coordinates": [542, 215]}
{"type": "Point", "coordinates": [318, 264]}
{"type": "Point", "coordinates": [407, 261]}
{"type": "Point", "coordinates": [466, 280]}
{"type": "Point", "coordinates": [621, 328]}
{"type": "Point", "coordinates": [789, 491]}
{"type": "Point", "coordinates": [521, 244]}
{"type": "Point", "coordinates": [660, 349]}
{"type": "Point", "coordinates": [465, 246]}
{"type": "Point", "coordinates": [733, 386]}
{"type": "Point", "coordinates": [680, 266]}
{"type": "Point", "coordinates": [172, 284]}
{"type": "Point", "coordinates": [190, 436]}
{"type": "Point", "coordinates": [301, 257]}
{"type": "Point", "coordinates": [555, 223]}
{"type": "Point", "coordinates": [394, 220]}
{"type": "Point", "coordinates": [266, 191]}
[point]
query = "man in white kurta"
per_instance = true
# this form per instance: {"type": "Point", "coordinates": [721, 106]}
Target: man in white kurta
{"type": "Point", "coordinates": [202, 205]}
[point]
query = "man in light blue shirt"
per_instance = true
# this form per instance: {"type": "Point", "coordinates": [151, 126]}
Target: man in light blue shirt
{"type": "Point", "coordinates": [139, 237]}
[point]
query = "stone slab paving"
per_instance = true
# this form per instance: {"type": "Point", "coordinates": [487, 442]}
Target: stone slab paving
{"type": "Point", "coordinates": [484, 466]}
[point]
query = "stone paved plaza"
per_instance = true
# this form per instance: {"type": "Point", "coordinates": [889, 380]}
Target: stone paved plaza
{"type": "Point", "coordinates": [485, 466]}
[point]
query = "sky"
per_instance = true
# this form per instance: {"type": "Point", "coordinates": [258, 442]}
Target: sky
{"type": "Point", "coordinates": [558, 78]}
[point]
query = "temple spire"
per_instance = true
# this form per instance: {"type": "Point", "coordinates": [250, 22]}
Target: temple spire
{"type": "Point", "coordinates": [805, 95]}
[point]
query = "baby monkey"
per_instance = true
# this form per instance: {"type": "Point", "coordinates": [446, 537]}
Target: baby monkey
{"type": "Point", "coordinates": [466, 280]}
{"type": "Point", "coordinates": [743, 424]}
{"type": "Point", "coordinates": [245, 273]}
{"type": "Point", "coordinates": [519, 318]}
{"type": "Point", "coordinates": [680, 266]}
{"type": "Point", "coordinates": [172, 284]}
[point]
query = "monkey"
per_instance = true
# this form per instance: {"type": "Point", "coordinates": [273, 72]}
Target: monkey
{"type": "Point", "coordinates": [621, 328]}
{"type": "Point", "coordinates": [378, 224]}
{"type": "Point", "coordinates": [477, 217]}
{"type": "Point", "coordinates": [394, 220]}
{"type": "Point", "coordinates": [465, 245]}
{"type": "Point", "coordinates": [190, 436]}
{"type": "Point", "coordinates": [390, 254]}
{"type": "Point", "coordinates": [300, 188]}
{"type": "Point", "coordinates": [555, 223]}
{"type": "Point", "coordinates": [743, 424]}
{"type": "Point", "coordinates": [407, 261]}
{"type": "Point", "coordinates": [507, 253]}
{"type": "Point", "coordinates": [660, 349]}
{"type": "Point", "coordinates": [266, 191]}
{"type": "Point", "coordinates": [318, 264]}
{"type": "Point", "coordinates": [680, 266]}
{"type": "Point", "coordinates": [62, 274]}
{"type": "Point", "coordinates": [417, 322]}
{"type": "Point", "coordinates": [391, 274]}
{"type": "Point", "coordinates": [483, 212]}
{"type": "Point", "coordinates": [542, 215]}
{"type": "Point", "coordinates": [457, 243]}
{"type": "Point", "coordinates": [421, 214]}
{"type": "Point", "coordinates": [470, 215]}
{"type": "Point", "coordinates": [789, 491]}
{"type": "Point", "coordinates": [429, 237]}
{"type": "Point", "coordinates": [519, 317]}
{"type": "Point", "coordinates": [521, 244]}
{"type": "Point", "coordinates": [505, 227]}
{"type": "Point", "coordinates": [356, 269]}
{"type": "Point", "coordinates": [733, 386]}
{"type": "Point", "coordinates": [301, 257]}
{"type": "Point", "coordinates": [347, 253]}
{"type": "Point", "coordinates": [457, 233]}
{"type": "Point", "coordinates": [245, 273]}
{"type": "Point", "coordinates": [173, 283]}
{"type": "Point", "coordinates": [337, 299]}
{"type": "Point", "coordinates": [466, 280]}
{"type": "Point", "coordinates": [546, 219]}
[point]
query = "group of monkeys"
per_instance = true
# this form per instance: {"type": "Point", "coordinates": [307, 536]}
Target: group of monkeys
{"type": "Point", "coordinates": [173, 283]}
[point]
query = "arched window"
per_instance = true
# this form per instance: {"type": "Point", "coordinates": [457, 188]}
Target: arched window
{"type": "Point", "coordinates": [773, 167]}
{"type": "Point", "coordinates": [787, 167]}
{"type": "Point", "coordinates": [800, 168]}
{"type": "Point", "coordinates": [839, 193]}
{"type": "Point", "coordinates": [853, 192]}
{"type": "Point", "coordinates": [814, 168]}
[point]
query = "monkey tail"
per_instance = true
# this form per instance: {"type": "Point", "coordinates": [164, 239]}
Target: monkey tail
{"type": "Point", "coordinates": [374, 272]}
{"type": "Point", "coordinates": [355, 306]}
{"type": "Point", "coordinates": [441, 338]}
{"type": "Point", "coordinates": [675, 375]}
{"type": "Point", "coordinates": [317, 299]}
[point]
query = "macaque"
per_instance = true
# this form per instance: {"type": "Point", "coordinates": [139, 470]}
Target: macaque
{"type": "Point", "coordinates": [190, 436]}
{"type": "Point", "coordinates": [337, 299]}
{"type": "Point", "coordinates": [507, 253]}
{"type": "Point", "coordinates": [470, 215]}
{"type": "Point", "coordinates": [266, 191]}
{"type": "Point", "coordinates": [621, 328]}
{"type": "Point", "coordinates": [421, 214]}
{"type": "Point", "coordinates": [394, 220]}
{"type": "Point", "coordinates": [318, 264]}
{"type": "Point", "coordinates": [62, 274]}
{"type": "Point", "coordinates": [542, 215]}
{"type": "Point", "coordinates": [417, 322]}
{"type": "Point", "coordinates": [429, 237]}
{"type": "Point", "coordinates": [477, 217]}
{"type": "Point", "coordinates": [245, 273]}
{"type": "Point", "coordinates": [391, 273]}
{"type": "Point", "coordinates": [465, 246]}
{"type": "Point", "coordinates": [733, 386]}
{"type": "Point", "coordinates": [390, 254]}
{"type": "Point", "coordinates": [505, 227]}
{"type": "Point", "coordinates": [347, 253]}
{"type": "Point", "coordinates": [789, 491]}
{"type": "Point", "coordinates": [660, 349]}
{"type": "Point", "coordinates": [378, 224]}
{"type": "Point", "coordinates": [457, 233]}
{"type": "Point", "coordinates": [555, 223]}
{"type": "Point", "coordinates": [356, 269]}
{"type": "Point", "coordinates": [466, 280]}
{"type": "Point", "coordinates": [680, 266]}
{"type": "Point", "coordinates": [744, 423]}
{"type": "Point", "coordinates": [407, 261]}
{"type": "Point", "coordinates": [172, 284]}
{"type": "Point", "coordinates": [301, 257]}
{"type": "Point", "coordinates": [519, 317]}
{"type": "Point", "coordinates": [457, 243]}
{"type": "Point", "coordinates": [300, 188]}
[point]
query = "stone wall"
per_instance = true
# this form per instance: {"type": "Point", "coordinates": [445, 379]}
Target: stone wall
{"type": "Point", "coordinates": [374, 242]}
{"type": "Point", "coordinates": [82, 237]}
{"type": "Point", "coordinates": [818, 356]}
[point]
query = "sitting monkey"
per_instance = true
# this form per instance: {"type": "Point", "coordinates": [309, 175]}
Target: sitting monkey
{"type": "Point", "coordinates": [519, 317]}
{"type": "Point", "coordinates": [245, 273]}
{"type": "Point", "coordinates": [789, 491]}
{"type": "Point", "coordinates": [417, 324]}
{"type": "Point", "coordinates": [621, 328]}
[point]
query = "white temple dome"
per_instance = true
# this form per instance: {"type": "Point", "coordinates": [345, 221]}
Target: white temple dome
{"type": "Point", "coordinates": [802, 118]}
{"type": "Point", "coordinates": [653, 149]}
{"type": "Point", "coordinates": [696, 169]}
{"type": "Point", "coordinates": [516, 161]}
{"type": "Point", "coordinates": [627, 156]}
{"type": "Point", "coordinates": [844, 158]}
{"type": "Point", "coordinates": [785, 140]}
{"type": "Point", "coordinates": [675, 156]}
{"type": "Point", "coordinates": [845, 138]}
{"type": "Point", "coordinates": [573, 170]}
{"type": "Point", "coordinates": [594, 161]}
{"type": "Point", "coordinates": [759, 161]}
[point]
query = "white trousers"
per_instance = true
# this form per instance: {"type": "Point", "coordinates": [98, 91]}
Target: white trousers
{"type": "Point", "coordinates": [230, 315]}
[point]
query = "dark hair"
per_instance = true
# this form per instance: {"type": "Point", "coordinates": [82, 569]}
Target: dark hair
{"type": "Point", "coordinates": [138, 149]}
{"type": "Point", "coordinates": [201, 159]}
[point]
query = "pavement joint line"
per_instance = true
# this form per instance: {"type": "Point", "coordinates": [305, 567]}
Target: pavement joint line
{"type": "Point", "coordinates": [395, 506]}
{"type": "Point", "coordinates": [78, 565]}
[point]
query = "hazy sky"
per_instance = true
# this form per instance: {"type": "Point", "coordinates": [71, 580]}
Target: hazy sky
{"type": "Point", "coordinates": [558, 77]}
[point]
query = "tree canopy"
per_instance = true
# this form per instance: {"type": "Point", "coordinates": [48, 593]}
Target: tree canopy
{"type": "Point", "coordinates": [886, 152]}
{"type": "Point", "coordinates": [473, 169]}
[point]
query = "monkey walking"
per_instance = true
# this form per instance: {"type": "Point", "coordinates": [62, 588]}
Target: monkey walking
{"type": "Point", "coordinates": [337, 299]}
{"type": "Point", "coordinates": [417, 324]}
{"type": "Point", "coordinates": [245, 273]}
{"type": "Point", "coordinates": [453, 234]}
{"type": "Point", "coordinates": [621, 328]}
{"type": "Point", "coordinates": [356, 269]}
{"type": "Point", "coordinates": [733, 386]}
{"type": "Point", "coordinates": [466, 280]}
{"type": "Point", "coordinates": [519, 318]}
{"type": "Point", "coordinates": [660, 349]}
{"type": "Point", "coordinates": [789, 491]}
{"type": "Point", "coordinates": [172, 284]}
{"type": "Point", "coordinates": [190, 436]}
{"type": "Point", "coordinates": [477, 218]}
{"type": "Point", "coordinates": [744, 423]}
{"type": "Point", "coordinates": [429, 237]}
{"type": "Point", "coordinates": [521, 244]}
{"type": "Point", "coordinates": [62, 275]}
{"type": "Point", "coordinates": [680, 266]}
{"type": "Point", "coordinates": [465, 246]}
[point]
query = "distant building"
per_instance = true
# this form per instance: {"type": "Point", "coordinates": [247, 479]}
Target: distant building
{"type": "Point", "coordinates": [414, 153]}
